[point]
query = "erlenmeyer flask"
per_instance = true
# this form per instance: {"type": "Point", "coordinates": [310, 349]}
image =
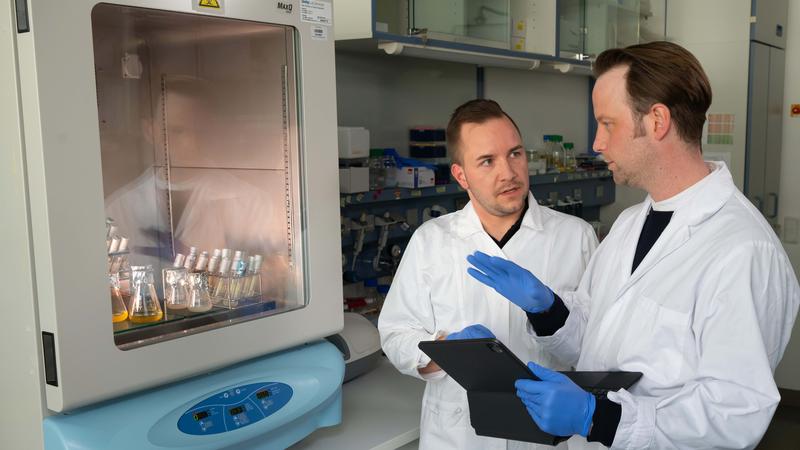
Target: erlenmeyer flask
{"type": "Point", "coordinates": [144, 299]}
{"type": "Point", "coordinates": [176, 292]}
{"type": "Point", "coordinates": [118, 310]}
{"type": "Point", "coordinates": [223, 281]}
{"type": "Point", "coordinates": [199, 297]}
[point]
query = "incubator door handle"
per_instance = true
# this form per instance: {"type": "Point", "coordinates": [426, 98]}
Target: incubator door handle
{"type": "Point", "coordinates": [774, 205]}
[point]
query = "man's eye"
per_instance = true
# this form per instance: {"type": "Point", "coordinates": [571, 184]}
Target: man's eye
{"type": "Point", "coordinates": [485, 162]}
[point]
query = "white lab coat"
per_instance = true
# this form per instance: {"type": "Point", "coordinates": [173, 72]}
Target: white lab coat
{"type": "Point", "coordinates": [706, 317]}
{"type": "Point", "coordinates": [432, 293]}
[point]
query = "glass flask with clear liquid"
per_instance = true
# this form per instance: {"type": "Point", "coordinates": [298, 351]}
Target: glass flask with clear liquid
{"type": "Point", "coordinates": [118, 310]}
{"type": "Point", "coordinates": [176, 292]}
{"type": "Point", "coordinates": [199, 297]}
{"type": "Point", "coordinates": [145, 306]}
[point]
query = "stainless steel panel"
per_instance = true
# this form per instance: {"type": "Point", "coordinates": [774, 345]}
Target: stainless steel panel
{"type": "Point", "coordinates": [772, 171]}
{"type": "Point", "coordinates": [771, 20]}
{"type": "Point", "coordinates": [757, 124]}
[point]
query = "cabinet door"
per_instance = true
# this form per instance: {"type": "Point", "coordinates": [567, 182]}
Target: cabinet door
{"type": "Point", "coordinates": [770, 24]}
{"type": "Point", "coordinates": [772, 169]}
{"type": "Point", "coordinates": [755, 156]}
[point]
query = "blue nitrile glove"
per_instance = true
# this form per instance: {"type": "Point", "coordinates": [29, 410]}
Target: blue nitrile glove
{"type": "Point", "coordinates": [511, 281]}
{"type": "Point", "coordinates": [471, 332]}
{"type": "Point", "coordinates": [556, 404]}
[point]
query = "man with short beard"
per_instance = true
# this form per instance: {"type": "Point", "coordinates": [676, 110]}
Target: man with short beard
{"type": "Point", "coordinates": [432, 297]}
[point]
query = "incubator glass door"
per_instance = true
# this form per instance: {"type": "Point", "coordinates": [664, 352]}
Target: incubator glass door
{"type": "Point", "coordinates": [201, 164]}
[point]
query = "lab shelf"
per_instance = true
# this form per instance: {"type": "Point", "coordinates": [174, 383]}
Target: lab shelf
{"type": "Point", "coordinates": [396, 194]}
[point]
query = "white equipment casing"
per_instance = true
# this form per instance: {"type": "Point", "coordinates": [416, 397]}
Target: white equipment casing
{"type": "Point", "coordinates": [59, 151]}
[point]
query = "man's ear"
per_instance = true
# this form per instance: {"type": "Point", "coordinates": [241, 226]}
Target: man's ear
{"type": "Point", "coordinates": [458, 174]}
{"type": "Point", "coordinates": [661, 120]}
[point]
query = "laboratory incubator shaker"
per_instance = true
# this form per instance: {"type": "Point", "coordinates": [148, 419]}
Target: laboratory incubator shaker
{"type": "Point", "coordinates": [185, 128]}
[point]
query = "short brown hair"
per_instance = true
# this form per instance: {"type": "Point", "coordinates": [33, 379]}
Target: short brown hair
{"type": "Point", "coordinates": [663, 72]}
{"type": "Point", "coordinates": [474, 111]}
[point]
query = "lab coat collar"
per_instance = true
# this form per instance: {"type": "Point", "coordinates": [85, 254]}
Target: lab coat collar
{"type": "Point", "coordinates": [468, 223]}
{"type": "Point", "coordinates": [711, 197]}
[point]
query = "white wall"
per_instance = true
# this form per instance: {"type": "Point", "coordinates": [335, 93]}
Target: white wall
{"type": "Point", "coordinates": [717, 32]}
{"type": "Point", "coordinates": [543, 103]}
{"type": "Point", "coordinates": [389, 94]}
{"type": "Point", "coordinates": [788, 373]}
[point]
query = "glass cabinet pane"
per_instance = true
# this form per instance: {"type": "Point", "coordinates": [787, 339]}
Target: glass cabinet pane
{"type": "Point", "coordinates": [611, 23]}
{"type": "Point", "coordinates": [479, 22]}
{"type": "Point", "coordinates": [572, 28]}
{"type": "Point", "coordinates": [587, 27]}
{"type": "Point", "coordinates": [391, 16]}
{"type": "Point", "coordinates": [200, 157]}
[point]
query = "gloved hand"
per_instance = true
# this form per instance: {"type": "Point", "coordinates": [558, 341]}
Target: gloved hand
{"type": "Point", "coordinates": [511, 281]}
{"type": "Point", "coordinates": [556, 404]}
{"type": "Point", "coordinates": [471, 332]}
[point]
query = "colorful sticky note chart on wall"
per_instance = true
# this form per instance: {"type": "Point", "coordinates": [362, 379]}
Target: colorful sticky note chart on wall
{"type": "Point", "coordinates": [720, 129]}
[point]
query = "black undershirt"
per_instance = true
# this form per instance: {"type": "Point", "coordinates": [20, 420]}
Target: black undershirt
{"type": "Point", "coordinates": [653, 227]}
{"type": "Point", "coordinates": [607, 414]}
{"type": "Point", "coordinates": [513, 230]}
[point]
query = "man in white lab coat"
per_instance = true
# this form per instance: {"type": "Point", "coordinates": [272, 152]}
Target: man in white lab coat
{"type": "Point", "coordinates": [432, 296]}
{"type": "Point", "coordinates": [691, 287]}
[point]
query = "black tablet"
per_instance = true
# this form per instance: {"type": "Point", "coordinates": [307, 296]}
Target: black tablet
{"type": "Point", "coordinates": [487, 369]}
{"type": "Point", "coordinates": [478, 364]}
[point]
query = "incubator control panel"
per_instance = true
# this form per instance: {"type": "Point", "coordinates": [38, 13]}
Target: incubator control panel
{"type": "Point", "coordinates": [235, 408]}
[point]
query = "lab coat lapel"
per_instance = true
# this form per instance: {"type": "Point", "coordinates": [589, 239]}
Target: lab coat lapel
{"type": "Point", "coordinates": [717, 188]}
{"type": "Point", "coordinates": [487, 306]}
{"type": "Point", "coordinates": [673, 237]}
{"type": "Point", "coordinates": [470, 229]}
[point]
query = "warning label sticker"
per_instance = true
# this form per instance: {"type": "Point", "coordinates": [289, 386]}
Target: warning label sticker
{"type": "Point", "coordinates": [316, 11]}
{"type": "Point", "coordinates": [212, 6]}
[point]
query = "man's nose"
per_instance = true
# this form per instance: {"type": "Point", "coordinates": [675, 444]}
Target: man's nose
{"type": "Point", "coordinates": [507, 169]}
{"type": "Point", "coordinates": [599, 144]}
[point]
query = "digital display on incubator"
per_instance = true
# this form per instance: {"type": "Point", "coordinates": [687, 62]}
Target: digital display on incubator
{"type": "Point", "coordinates": [201, 162]}
{"type": "Point", "coordinates": [237, 410]}
{"type": "Point", "coordinates": [262, 394]}
{"type": "Point", "coordinates": [201, 415]}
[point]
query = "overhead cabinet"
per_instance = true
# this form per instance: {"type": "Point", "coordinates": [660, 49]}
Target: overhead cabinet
{"type": "Point", "coordinates": [564, 34]}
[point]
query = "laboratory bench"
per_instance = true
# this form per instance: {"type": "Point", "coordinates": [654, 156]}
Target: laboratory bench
{"type": "Point", "coordinates": [380, 411]}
